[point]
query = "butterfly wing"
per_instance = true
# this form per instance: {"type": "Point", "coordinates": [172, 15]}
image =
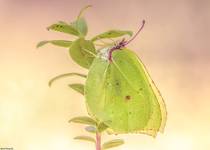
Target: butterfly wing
{"type": "Point", "coordinates": [122, 95]}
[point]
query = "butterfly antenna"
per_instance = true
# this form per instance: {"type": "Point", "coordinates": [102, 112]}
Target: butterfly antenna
{"type": "Point", "coordinates": [142, 26]}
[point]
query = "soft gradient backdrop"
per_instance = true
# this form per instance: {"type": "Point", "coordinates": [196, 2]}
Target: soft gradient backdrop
{"type": "Point", "coordinates": [174, 45]}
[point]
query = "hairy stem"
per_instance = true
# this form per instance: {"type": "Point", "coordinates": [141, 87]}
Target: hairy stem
{"type": "Point", "coordinates": [98, 141]}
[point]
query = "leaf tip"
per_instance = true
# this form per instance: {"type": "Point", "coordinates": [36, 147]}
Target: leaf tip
{"type": "Point", "coordinates": [83, 9]}
{"type": "Point", "coordinates": [41, 43]}
{"type": "Point", "coordinates": [49, 84]}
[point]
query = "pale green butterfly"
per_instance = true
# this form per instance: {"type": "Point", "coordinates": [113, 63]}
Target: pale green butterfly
{"type": "Point", "coordinates": [120, 92]}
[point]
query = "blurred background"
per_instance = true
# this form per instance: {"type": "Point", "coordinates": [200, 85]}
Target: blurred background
{"type": "Point", "coordinates": [174, 45]}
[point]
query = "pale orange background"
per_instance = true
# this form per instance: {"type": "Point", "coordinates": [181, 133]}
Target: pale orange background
{"type": "Point", "coordinates": [174, 45]}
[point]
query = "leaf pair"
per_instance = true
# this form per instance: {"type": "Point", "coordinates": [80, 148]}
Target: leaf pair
{"type": "Point", "coordinates": [93, 125]}
{"type": "Point", "coordinates": [106, 145]}
{"type": "Point", "coordinates": [81, 50]}
{"type": "Point", "coordinates": [77, 28]}
{"type": "Point", "coordinates": [93, 128]}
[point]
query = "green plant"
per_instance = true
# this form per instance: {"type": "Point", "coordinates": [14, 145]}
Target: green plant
{"type": "Point", "coordinates": [120, 95]}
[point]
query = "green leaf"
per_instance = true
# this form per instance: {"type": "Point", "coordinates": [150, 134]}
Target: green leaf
{"type": "Point", "coordinates": [90, 129]}
{"type": "Point", "coordinates": [83, 120]}
{"type": "Point", "coordinates": [65, 75]}
{"type": "Point", "coordinates": [82, 52]}
{"type": "Point", "coordinates": [77, 87]}
{"type": "Point", "coordinates": [65, 28]}
{"type": "Point", "coordinates": [112, 143]}
{"type": "Point", "coordinates": [82, 11]}
{"type": "Point", "coordinates": [61, 43]}
{"type": "Point", "coordinates": [85, 138]}
{"type": "Point", "coordinates": [111, 34]}
{"type": "Point", "coordinates": [102, 127]}
{"type": "Point", "coordinates": [81, 25]}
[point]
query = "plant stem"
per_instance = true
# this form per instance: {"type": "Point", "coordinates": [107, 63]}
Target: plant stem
{"type": "Point", "coordinates": [98, 141]}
